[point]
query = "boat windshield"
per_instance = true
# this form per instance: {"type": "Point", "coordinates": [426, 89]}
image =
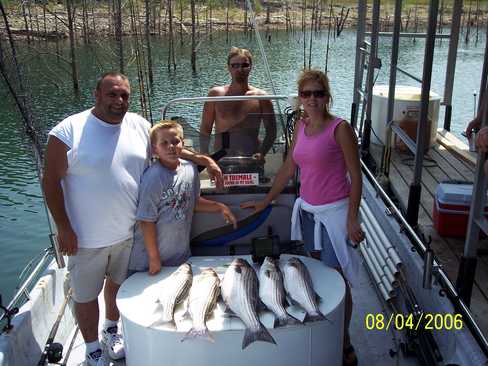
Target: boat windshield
{"type": "Point", "coordinates": [249, 147]}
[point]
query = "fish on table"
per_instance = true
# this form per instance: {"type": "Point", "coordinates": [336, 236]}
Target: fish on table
{"type": "Point", "coordinates": [272, 291]}
{"type": "Point", "coordinates": [201, 303]}
{"type": "Point", "coordinates": [299, 288]}
{"type": "Point", "coordinates": [173, 291]}
{"type": "Point", "coordinates": [240, 293]}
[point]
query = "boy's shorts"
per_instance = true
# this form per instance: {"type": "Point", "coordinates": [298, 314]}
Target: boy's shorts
{"type": "Point", "coordinates": [327, 254]}
{"type": "Point", "coordinates": [89, 267]}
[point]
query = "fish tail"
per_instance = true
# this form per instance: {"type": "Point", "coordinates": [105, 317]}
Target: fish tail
{"type": "Point", "coordinates": [260, 334]}
{"type": "Point", "coordinates": [198, 333]}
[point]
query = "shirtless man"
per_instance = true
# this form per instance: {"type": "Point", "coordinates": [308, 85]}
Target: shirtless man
{"type": "Point", "coordinates": [240, 119]}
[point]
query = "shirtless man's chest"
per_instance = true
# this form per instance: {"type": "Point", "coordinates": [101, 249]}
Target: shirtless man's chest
{"type": "Point", "coordinates": [237, 115]}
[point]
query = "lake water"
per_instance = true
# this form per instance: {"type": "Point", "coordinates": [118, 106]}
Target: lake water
{"type": "Point", "coordinates": [23, 222]}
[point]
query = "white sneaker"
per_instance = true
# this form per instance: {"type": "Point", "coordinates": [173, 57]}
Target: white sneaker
{"type": "Point", "coordinates": [94, 359]}
{"type": "Point", "coordinates": [114, 343]}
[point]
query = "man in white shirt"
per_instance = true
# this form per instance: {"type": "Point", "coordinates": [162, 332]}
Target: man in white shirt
{"type": "Point", "coordinates": [94, 162]}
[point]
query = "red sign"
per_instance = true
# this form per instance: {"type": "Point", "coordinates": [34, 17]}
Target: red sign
{"type": "Point", "coordinates": [241, 179]}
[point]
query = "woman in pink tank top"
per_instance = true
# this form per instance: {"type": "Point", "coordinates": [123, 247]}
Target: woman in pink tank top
{"type": "Point", "coordinates": [325, 149]}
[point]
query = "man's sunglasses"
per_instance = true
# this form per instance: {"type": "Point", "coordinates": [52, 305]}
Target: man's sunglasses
{"type": "Point", "coordinates": [315, 93]}
{"type": "Point", "coordinates": [238, 65]}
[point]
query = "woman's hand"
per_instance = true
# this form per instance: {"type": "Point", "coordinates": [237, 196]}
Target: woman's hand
{"type": "Point", "coordinates": [154, 265]}
{"type": "Point", "coordinates": [257, 205]}
{"type": "Point", "coordinates": [228, 216]}
{"type": "Point", "coordinates": [354, 231]}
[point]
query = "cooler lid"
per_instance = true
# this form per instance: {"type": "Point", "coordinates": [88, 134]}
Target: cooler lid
{"type": "Point", "coordinates": [457, 194]}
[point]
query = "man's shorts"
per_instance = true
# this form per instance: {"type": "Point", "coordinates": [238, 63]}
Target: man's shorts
{"type": "Point", "coordinates": [89, 267]}
{"type": "Point", "coordinates": [328, 255]}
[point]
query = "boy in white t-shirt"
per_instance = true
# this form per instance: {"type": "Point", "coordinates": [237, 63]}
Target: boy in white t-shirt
{"type": "Point", "coordinates": [168, 195]}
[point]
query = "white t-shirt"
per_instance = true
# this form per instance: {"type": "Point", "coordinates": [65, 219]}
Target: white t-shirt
{"type": "Point", "coordinates": [105, 165]}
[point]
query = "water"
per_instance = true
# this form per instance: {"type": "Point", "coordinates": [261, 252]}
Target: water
{"type": "Point", "coordinates": [23, 222]}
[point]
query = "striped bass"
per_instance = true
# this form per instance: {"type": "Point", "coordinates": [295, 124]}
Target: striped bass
{"type": "Point", "coordinates": [240, 293]}
{"type": "Point", "coordinates": [202, 301]}
{"type": "Point", "coordinates": [272, 291]}
{"type": "Point", "coordinates": [173, 291]}
{"type": "Point", "coordinates": [299, 287]}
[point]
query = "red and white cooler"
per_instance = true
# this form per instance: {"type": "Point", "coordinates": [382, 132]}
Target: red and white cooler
{"type": "Point", "coordinates": [451, 208]}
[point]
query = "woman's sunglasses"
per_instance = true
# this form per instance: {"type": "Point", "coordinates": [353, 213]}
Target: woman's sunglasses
{"type": "Point", "coordinates": [315, 93]}
{"type": "Point", "coordinates": [238, 65]}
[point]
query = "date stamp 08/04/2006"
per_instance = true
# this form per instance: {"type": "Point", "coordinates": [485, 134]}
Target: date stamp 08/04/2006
{"type": "Point", "coordinates": [422, 321]}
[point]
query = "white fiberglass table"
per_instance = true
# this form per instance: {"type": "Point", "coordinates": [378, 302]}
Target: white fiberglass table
{"type": "Point", "coordinates": [147, 343]}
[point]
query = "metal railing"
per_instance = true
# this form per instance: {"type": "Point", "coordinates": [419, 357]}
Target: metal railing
{"type": "Point", "coordinates": [420, 247]}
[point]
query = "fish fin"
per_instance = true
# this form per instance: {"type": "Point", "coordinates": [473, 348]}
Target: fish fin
{"type": "Point", "coordinates": [288, 320]}
{"type": "Point", "coordinates": [315, 317]}
{"type": "Point", "coordinates": [318, 298]}
{"type": "Point", "coordinates": [186, 314]}
{"type": "Point", "coordinates": [157, 323]}
{"type": "Point", "coordinates": [202, 333]}
{"type": "Point", "coordinates": [228, 313]}
{"type": "Point", "coordinates": [261, 334]}
{"type": "Point", "coordinates": [292, 302]}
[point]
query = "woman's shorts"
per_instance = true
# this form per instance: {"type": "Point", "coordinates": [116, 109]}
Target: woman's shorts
{"type": "Point", "coordinates": [328, 255]}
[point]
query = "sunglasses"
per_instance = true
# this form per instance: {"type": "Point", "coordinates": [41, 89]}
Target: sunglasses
{"type": "Point", "coordinates": [315, 93]}
{"type": "Point", "coordinates": [238, 65]}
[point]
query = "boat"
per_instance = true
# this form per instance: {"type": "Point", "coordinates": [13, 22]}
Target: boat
{"type": "Point", "coordinates": [406, 309]}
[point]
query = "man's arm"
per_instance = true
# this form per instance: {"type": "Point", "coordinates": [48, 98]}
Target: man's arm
{"type": "Point", "coordinates": [476, 122]}
{"type": "Point", "coordinates": [55, 168]}
{"type": "Point", "coordinates": [201, 159]}
{"type": "Point", "coordinates": [269, 122]}
{"type": "Point", "coordinates": [208, 119]}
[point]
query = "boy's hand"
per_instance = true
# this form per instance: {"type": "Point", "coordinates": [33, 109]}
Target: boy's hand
{"type": "Point", "coordinates": [228, 216]}
{"type": "Point", "coordinates": [154, 266]}
{"type": "Point", "coordinates": [216, 174]}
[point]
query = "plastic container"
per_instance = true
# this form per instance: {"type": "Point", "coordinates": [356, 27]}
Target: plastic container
{"type": "Point", "coordinates": [407, 99]}
{"type": "Point", "coordinates": [451, 208]}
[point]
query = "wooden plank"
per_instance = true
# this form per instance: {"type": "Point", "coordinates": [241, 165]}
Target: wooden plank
{"type": "Point", "coordinates": [400, 180]}
{"type": "Point", "coordinates": [406, 172]}
{"type": "Point", "coordinates": [465, 170]}
{"type": "Point", "coordinates": [446, 248]}
{"type": "Point", "coordinates": [456, 146]}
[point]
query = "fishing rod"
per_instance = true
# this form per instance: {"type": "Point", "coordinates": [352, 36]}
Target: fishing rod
{"type": "Point", "coordinates": [267, 68]}
{"type": "Point", "coordinates": [22, 101]}
{"type": "Point", "coordinates": [53, 352]}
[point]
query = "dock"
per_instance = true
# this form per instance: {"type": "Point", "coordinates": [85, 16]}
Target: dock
{"type": "Point", "coordinates": [448, 159]}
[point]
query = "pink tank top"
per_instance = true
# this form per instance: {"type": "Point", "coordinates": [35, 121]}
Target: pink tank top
{"type": "Point", "coordinates": [323, 173]}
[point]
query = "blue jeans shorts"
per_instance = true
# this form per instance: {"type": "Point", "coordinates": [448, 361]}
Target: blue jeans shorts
{"type": "Point", "coordinates": [328, 255]}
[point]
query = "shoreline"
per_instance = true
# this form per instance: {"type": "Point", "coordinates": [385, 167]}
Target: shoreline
{"type": "Point", "coordinates": [51, 23]}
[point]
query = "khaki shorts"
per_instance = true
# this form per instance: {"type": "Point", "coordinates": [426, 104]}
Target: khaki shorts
{"type": "Point", "coordinates": [89, 267]}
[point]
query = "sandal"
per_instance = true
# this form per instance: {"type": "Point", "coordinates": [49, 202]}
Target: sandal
{"type": "Point", "coordinates": [349, 356]}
